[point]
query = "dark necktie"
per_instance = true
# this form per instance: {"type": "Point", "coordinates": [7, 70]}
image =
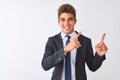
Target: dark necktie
{"type": "Point", "coordinates": [68, 63]}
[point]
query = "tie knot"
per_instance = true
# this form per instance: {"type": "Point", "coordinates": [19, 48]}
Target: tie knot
{"type": "Point", "coordinates": [67, 36]}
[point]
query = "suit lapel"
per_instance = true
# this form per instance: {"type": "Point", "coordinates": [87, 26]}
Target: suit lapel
{"type": "Point", "coordinates": [59, 41]}
{"type": "Point", "coordinates": [79, 51]}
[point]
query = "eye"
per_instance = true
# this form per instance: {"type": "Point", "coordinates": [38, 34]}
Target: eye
{"type": "Point", "coordinates": [70, 19]}
{"type": "Point", "coordinates": [62, 19]}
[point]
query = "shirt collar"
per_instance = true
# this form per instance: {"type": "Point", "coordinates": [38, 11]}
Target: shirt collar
{"type": "Point", "coordinates": [71, 34]}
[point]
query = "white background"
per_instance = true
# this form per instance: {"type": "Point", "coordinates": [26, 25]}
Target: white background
{"type": "Point", "coordinates": [25, 26]}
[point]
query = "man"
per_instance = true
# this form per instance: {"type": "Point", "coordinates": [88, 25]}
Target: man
{"type": "Point", "coordinates": [79, 49]}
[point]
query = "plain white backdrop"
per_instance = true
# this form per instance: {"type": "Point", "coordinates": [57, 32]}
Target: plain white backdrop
{"type": "Point", "coordinates": [25, 26]}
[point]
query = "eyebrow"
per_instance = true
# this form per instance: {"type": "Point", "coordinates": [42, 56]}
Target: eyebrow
{"type": "Point", "coordinates": [68, 18]}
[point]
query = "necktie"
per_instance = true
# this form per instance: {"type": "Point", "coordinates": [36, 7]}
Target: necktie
{"type": "Point", "coordinates": [67, 63]}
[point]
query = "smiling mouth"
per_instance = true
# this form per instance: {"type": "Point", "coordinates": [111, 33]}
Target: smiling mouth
{"type": "Point", "coordinates": [67, 27]}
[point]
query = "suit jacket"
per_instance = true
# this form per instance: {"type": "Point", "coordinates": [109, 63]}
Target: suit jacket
{"type": "Point", "coordinates": [54, 57]}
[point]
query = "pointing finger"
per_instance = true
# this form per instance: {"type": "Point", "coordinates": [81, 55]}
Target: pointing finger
{"type": "Point", "coordinates": [103, 37]}
{"type": "Point", "coordinates": [76, 36]}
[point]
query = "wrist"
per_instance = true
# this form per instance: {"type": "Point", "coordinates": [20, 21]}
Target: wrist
{"type": "Point", "coordinates": [66, 49]}
{"type": "Point", "coordinates": [100, 55]}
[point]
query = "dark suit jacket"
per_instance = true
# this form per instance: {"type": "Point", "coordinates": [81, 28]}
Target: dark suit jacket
{"type": "Point", "coordinates": [54, 56]}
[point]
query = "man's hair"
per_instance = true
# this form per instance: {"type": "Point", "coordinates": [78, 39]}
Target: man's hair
{"type": "Point", "coordinates": [67, 8]}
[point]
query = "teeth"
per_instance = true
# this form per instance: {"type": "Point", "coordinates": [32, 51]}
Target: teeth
{"type": "Point", "coordinates": [67, 27]}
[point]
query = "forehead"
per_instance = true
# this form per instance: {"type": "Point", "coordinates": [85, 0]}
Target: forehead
{"type": "Point", "coordinates": [66, 15]}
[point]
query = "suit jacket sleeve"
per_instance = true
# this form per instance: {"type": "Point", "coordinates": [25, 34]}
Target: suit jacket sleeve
{"type": "Point", "coordinates": [93, 61]}
{"type": "Point", "coordinates": [53, 55]}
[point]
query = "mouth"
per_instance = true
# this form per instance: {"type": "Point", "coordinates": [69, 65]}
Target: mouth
{"type": "Point", "coordinates": [66, 27]}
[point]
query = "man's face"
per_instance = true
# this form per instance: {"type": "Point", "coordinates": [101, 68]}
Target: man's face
{"type": "Point", "coordinates": [67, 22]}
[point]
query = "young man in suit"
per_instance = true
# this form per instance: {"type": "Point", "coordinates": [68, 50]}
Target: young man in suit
{"type": "Point", "coordinates": [79, 49]}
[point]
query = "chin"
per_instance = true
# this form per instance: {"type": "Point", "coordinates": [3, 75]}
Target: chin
{"type": "Point", "coordinates": [66, 32]}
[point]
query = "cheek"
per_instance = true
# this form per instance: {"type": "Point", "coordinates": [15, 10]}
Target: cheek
{"type": "Point", "coordinates": [73, 22]}
{"type": "Point", "coordinates": [60, 23]}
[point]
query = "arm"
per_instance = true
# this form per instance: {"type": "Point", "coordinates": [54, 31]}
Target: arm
{"type": "Point", "coordinates": [52, 56]}
{"type": "Point", "coordinates": [93, 61]}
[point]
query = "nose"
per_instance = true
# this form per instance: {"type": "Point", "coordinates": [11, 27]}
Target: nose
{"type": "Point", "coordinates": [66, 22]}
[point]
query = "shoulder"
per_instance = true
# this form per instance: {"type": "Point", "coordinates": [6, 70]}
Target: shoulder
{"type": "Point", "coordinates": [55, 39]}
{"type": "Point", "coordinates": [55, 36]}
{"type": "Point", "coordinates": [84, 39]}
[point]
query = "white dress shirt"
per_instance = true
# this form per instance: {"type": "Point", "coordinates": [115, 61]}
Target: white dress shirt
{"type": "Point", "coordinates": [73, 56]}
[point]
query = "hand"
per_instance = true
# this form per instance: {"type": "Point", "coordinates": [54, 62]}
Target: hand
{"type": "Point", "coordinates": [74, 43]}
{"type": "Point", "coordinates": [101, 48]}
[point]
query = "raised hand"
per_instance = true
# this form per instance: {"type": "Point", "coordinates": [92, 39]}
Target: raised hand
{"type": "Point", "coordinates": [101, 48]}
{"type": "Point", "coordinates": [74, 43]}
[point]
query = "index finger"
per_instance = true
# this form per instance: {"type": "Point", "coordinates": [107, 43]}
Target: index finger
{"type": "Point", "coordinates": [76, 36]}
{"type": "Point", "coordinates": [103, 37]}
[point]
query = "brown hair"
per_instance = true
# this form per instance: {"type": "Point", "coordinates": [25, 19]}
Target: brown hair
{"type": "Point", "coordinates": [67, 8]}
